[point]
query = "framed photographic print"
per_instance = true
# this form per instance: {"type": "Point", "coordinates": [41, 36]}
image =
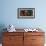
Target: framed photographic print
{"type": "Point", "coordinates": [26, 13]}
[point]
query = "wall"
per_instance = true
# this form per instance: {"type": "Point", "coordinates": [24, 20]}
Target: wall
{"type": "Point", "coordinates": [8, 13]}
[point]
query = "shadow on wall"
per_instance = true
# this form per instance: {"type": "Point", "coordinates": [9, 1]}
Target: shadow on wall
{"type": "Point", "coordinates": [2, 26]}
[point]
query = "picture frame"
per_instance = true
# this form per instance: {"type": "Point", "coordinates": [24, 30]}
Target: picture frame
{"type": "Point", "coordinates": [26, 13]}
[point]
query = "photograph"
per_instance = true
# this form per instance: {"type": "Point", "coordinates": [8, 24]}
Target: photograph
{"type": "Point", "coordinates": [26, 13]}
